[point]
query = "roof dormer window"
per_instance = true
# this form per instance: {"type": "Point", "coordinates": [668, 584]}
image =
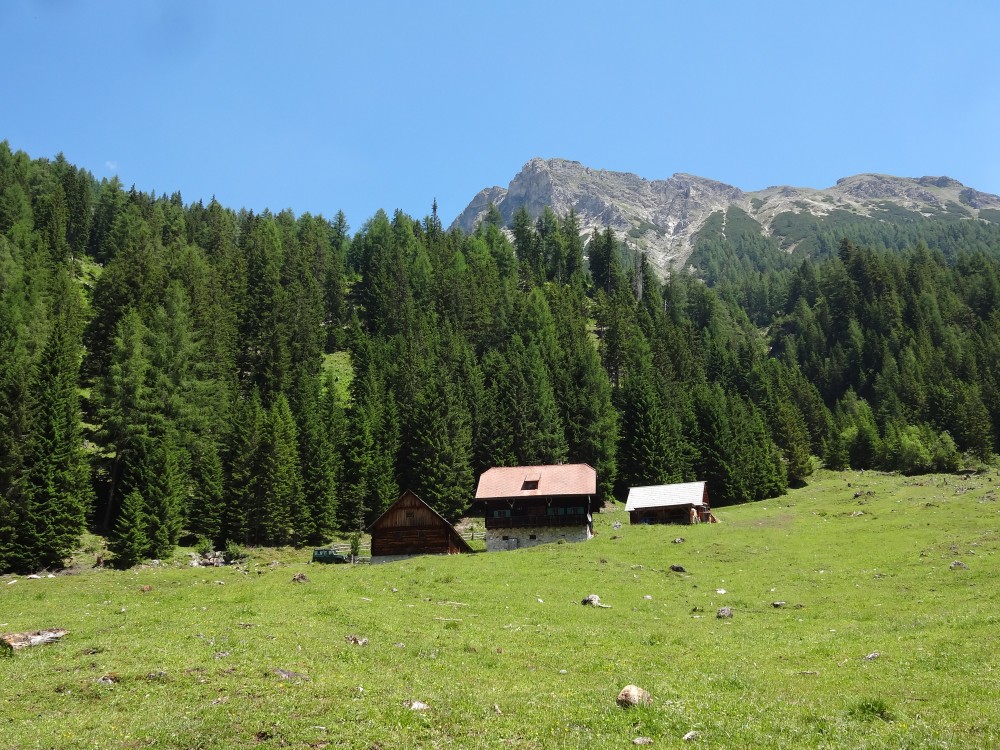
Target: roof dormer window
{"type": "Point", "coordinates": [531, 481]}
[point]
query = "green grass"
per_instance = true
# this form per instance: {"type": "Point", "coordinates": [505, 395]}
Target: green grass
{"type": "Point", "coordinates": [501, 650]}
{"type": "Point", "coordinates": [339, 363]}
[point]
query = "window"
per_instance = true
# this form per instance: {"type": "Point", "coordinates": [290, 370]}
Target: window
{"type": "Point", "coordinates": [409, 514]}
{"type": "Point", "coordinates": [501, 513]}
{"type": "Point", "coordinates": [506, 538]}
{"type": "Point", "coordinates": [532, 536]}
{"type": "Point", "coordinates": [531, 481]}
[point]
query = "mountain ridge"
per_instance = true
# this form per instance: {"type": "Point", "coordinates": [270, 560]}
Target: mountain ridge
{"type": "Point", "coordinates": [663, 217]}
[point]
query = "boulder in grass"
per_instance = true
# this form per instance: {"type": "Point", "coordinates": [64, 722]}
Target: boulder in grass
{"type": "Point", "coordinates": [633, 695]}
{"type": "Point", "coordinates": [10, 642]}
{"type": "Point", "coordinates": [724, 613]}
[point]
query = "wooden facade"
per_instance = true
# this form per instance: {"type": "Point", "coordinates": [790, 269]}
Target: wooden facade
{"type": "Point", "coordinates": [684, 503]}
{"type": "Point", "coordinates": [529, 505]}
{"type": "Point", "coordinates": [411, 527]}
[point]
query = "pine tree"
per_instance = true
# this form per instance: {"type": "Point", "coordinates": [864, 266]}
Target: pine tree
{"type": "Point", "coordinates": [371, 453]}
{"type": "Point", "coordinates": [128, 539]}
{"type": "Point", "coordinates": [605, 267]}
{"type": "Point", "coordinates": [56, 491]}
{"type": "Point", "coordinates": [15, 388]}
{"type": "Point", "coordinates": [124, 404]}
{"type": "Point", "coordinates": [284, 518]}
{"type": "Point", "coordinates": [264, 356]}
{"type": "Point", "coordinates": [441, 449]}
{"type": "Point", "coordinates": [154, 466]}
{"type": "Point", "coordinates": [134, 278]}
{"type": "Point", "coordinates": [527, 247]}
{"type": "Point", "coordinates": [318, 459]}
{"type": "Point", "coordinates": [649, 432]}
{"type": "Point", "coordinates": [242, 516]}
{"type": "Point", "coordinates": [584, 392]}
{"type": "Point", "coordinates": [539, 437]}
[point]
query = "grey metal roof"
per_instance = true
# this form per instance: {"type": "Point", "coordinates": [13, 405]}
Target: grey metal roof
{"type": "Point", "coordinates": [666, 495]}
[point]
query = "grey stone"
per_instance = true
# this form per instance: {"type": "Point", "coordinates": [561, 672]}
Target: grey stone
{"type": "Point", "coordinates": [633, 695]}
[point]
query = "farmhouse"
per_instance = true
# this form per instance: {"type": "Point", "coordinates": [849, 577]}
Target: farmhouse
{"type": "Point", "coordinates": [411, 527]}
{"type": "Point", "coordinates": [529, 505]}
{"type": "Point", "coordinates": [669, 503]}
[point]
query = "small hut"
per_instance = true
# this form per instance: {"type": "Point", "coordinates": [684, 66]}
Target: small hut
{"type": "Point", "coordinates": [669, 503]}
{"type": "Point", "coordinates": [411, 527]}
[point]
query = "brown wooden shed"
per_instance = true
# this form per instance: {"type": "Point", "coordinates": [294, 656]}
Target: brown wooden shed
{"type": "Point", "coordinates": [686, 502]}
{"type": "Point", "coordinates": [411, 527]}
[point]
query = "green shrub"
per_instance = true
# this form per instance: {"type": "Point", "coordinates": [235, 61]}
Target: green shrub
{"type": "Point", "coordinates": [204, 546]}
{"type": "Point", "coordinates": [235, 552]}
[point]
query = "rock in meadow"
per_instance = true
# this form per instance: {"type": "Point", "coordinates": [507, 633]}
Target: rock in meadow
{"type": "Point", "coordinates": [300, 578]}
{"type": "Point", "coordinates": [678, 568]}
{"type": "Point", "coordinates": [958, 565]}
{"type": "Point", "coordinates": [724, 613]}
{"type": "Point", "coordinates": [633, 695]}
{"type": "Point", "coordinates": [642, 741]}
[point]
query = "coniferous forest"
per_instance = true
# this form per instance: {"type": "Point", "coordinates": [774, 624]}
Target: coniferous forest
{"type": "Point", "coordinates": [176, 371]}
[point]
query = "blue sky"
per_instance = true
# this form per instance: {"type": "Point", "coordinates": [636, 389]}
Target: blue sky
{"type": "Point", "coordinates": [356, 106]}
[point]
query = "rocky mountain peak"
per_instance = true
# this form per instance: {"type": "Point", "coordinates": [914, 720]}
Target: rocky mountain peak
{"type": "Point", "coordinates": [663, 217]}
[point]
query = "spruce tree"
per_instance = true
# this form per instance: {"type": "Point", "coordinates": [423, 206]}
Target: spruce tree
{"type": "Point", "coordinates": [128, 539]}
{"type": "Point", "coordinates": [242, 516]}
{"type": "Point", "coordinates": [158, 462]}
{"type": "Point", "coordinates": [284, 518]}
{"type": "Point", "coordinates": [441, 449]}
{"type": "Point", "coordinates": [649, 432]}
{"type": "Point", "coordinates": [56, 491]}
{"type": "Point", "coordinates": [124, 405]}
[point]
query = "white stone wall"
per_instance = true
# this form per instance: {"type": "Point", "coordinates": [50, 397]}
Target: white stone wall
{"type": "Point", "coordinates": [521, 536]}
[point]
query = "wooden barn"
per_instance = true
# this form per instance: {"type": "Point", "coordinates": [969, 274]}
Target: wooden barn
{"type": "Point", "coordinates": [529, 505]}
{"type": "Point", "coordinates": [411, 527]}
{"type": "Point", "coordinates": [669, 503]}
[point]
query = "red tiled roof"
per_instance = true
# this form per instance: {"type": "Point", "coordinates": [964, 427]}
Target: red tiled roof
{"type": "Point", "coordinates": [562, 479]}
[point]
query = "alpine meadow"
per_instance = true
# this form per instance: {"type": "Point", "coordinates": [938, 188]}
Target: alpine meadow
{"type": "Point", "coordinates": [189, 377]}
